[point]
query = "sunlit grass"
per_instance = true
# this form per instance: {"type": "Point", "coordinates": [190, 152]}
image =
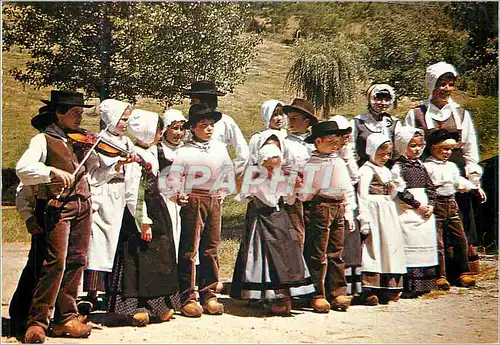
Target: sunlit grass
{"type": "Point", "coordinates": [13, 228]}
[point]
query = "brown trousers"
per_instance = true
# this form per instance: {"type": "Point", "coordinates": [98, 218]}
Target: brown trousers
{"type": "Point", "coordinates": [65, 259]}
{"type": "Point", "coordinates": [324, 247]}
{"type": "Point", "coordinates": [200, 233]}
{"type": "Point", "coordinates": [450, 229]}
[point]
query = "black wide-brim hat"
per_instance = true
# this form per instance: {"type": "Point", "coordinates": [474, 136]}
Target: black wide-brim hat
{"type": "Point", "coordinates": [304, 107]}
{"type": "Point", "coordinates": [203, 87]}
{"type": "Point", "coordinates": [322, 129]}
{"type": "Point", "coordinates": [66, 98]}
{"type": "Point", "coordinates": [202, 111]}
{"type": "Point", "coordinates": [44, 118]}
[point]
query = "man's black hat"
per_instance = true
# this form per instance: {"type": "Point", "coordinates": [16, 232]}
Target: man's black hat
{"type": "Point", "coordinates": [203, 87]}
{"type": "Point", "coordinates": [322, 129]}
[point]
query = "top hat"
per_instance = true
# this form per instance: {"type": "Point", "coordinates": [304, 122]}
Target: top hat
{"type": "Point", "coordinates": [322, 129]}
{"type": "Point", "coordinates": [304, 107]}
{"type": "Point", "coordinates": [202, 111]}
{"type": "Point", "coordinates": [203, 87]}
{"type": "Point", "coordinates": [67, 98]}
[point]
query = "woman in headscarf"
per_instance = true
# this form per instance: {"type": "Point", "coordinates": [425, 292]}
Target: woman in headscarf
{"type": "Point", "coordinates": [415, 204]}
{"type": "Point", "coordinates": [441, 111]}
{"type": "Point", "coordinates": [145, 269]}
{"type": "Point", "coordinates": [108, 203]}
{"type": "Point", "coordinates": [381, 98]}
{"type": "Point", "coordinates": [383, 258]}
{"type": "Point", "coordinates": [270, 266]}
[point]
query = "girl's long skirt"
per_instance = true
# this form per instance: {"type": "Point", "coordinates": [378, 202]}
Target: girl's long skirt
{"type": "Point", "coordinates": [420, 239]}
{"type": "Point", "coordinates": [108, 205]}
{"type": "Point", "coordinates": [270, 264]}
{"type": "Point", "coordinates": [145, 273]}
{"type": "Point", "coordinates": [383, 254]}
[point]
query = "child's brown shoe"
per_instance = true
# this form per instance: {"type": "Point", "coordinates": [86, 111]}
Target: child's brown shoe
{"type": "Point", "coordinates": [320, 305]}
{"type": "Point", "coordinates": [213, 307]}
{"type": "Point", "coordinates": [166, 316]}
{"type": "Point", "coordinates": [371, 300]}
{"type": "Point", "coordinates": [282, 307]}
{"type": "Point", "coordinates": [341, 303]}
{"type": "Point", "coordinates": [467, 280]}
{"type": "Point", "coordinates": [191, 309]}
{"type": "Point", "coordinates": [35, 335]}
{"type": "Point", "coordinates": [442, 283]}
{"type": "Point", "coordinates": [140, 319]}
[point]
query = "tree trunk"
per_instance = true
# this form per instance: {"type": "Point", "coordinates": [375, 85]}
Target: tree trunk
{"type": "Point", "coordinates": [104, 56]}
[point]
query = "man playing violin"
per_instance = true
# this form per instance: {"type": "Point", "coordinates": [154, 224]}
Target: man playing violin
{"type": "Point", "coordinates": [52, 167]}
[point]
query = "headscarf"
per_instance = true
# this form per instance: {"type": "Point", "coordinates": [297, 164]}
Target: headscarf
{"type": "Point", "coordinates": [433, 72]}
{"type": "Point", "coordinates": [142, 125]}
{"type": "Point", "coordinates": [172, 115]}
{"type": "Point", "coordinates": [403, 137]}
{"type": "Point", "coordinates": [380, 88]}
{"type": "Point", "coordinates": [373, 142]}
{"type": "Point", "coordinates": [267, 109]}
{"type": "Point", "coordinates": [111, 111]}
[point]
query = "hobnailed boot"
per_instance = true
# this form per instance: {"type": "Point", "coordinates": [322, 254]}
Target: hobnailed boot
{"type": "Point", "coordinates": [467, 280]}
{"type": "Point", "coordinates": [191, 309]}
{"type": "Point", "coordinates": [213, 307]}
{"type": "Point", "coordinates": [72, 329]}
{"type": "Point", "coordinates": [320, 305]}
{"type": "Point", "coordinates": [341, 303]}
{"type": "Point", "coordinates": [443, 283]}
{"type": "Point", "coordinates": [34, 335]}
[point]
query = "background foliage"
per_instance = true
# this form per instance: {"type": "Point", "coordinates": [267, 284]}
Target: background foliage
{"type": "Point", "coordinates": [128, 49]}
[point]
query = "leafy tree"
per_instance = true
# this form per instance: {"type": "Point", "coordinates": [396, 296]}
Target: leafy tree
{"type": "Point", "coordinates": [129, 49]}
{"type": "Point", "coordinates": [326, 73]}
{"type": "Point", "coordinates": [404, 44]}
{"type": "Point", "coordinates": [480, 20]}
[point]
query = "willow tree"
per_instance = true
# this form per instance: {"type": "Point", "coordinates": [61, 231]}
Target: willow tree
{"type": "Point", "coordinates": [129, 49]}
{"type": "Point", "coordinates": [326, 73]}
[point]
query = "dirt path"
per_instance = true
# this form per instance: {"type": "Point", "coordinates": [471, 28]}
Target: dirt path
{"type": "Point", "coordinates": [460, 316]}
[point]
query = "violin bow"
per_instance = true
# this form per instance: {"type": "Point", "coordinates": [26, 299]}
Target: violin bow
{"type": "Point", "coordinates": [92, 148]}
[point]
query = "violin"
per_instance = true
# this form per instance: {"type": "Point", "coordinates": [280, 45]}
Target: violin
{"type": "Point", "coordinates": [104, 146]}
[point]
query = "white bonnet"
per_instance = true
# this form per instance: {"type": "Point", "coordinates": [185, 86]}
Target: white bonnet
{"type": "Point", "coordinates": [433, 72]}
{"type": "Point", "coordinates": [172, 115]}
{"type": "Point", "coordinates": [341, 121]}
{"type": "Point", "coordinates": [111, 111]}
{"type": "Point", "coordinates": [142, 125]}
{"type": "Point", "coordinates": [269, 151]}
{"type": "Point", "coordinates": [373, 142]}
{"type": "Point", "coordinates": [378, 88]}
{"type": "Point", "coordinates": [267, 109]}
{"type": "Point", "coordinates": [403, 137]}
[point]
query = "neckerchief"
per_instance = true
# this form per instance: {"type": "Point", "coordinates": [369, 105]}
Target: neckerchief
{"type": "Point", "coordinates": [203, 146]}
